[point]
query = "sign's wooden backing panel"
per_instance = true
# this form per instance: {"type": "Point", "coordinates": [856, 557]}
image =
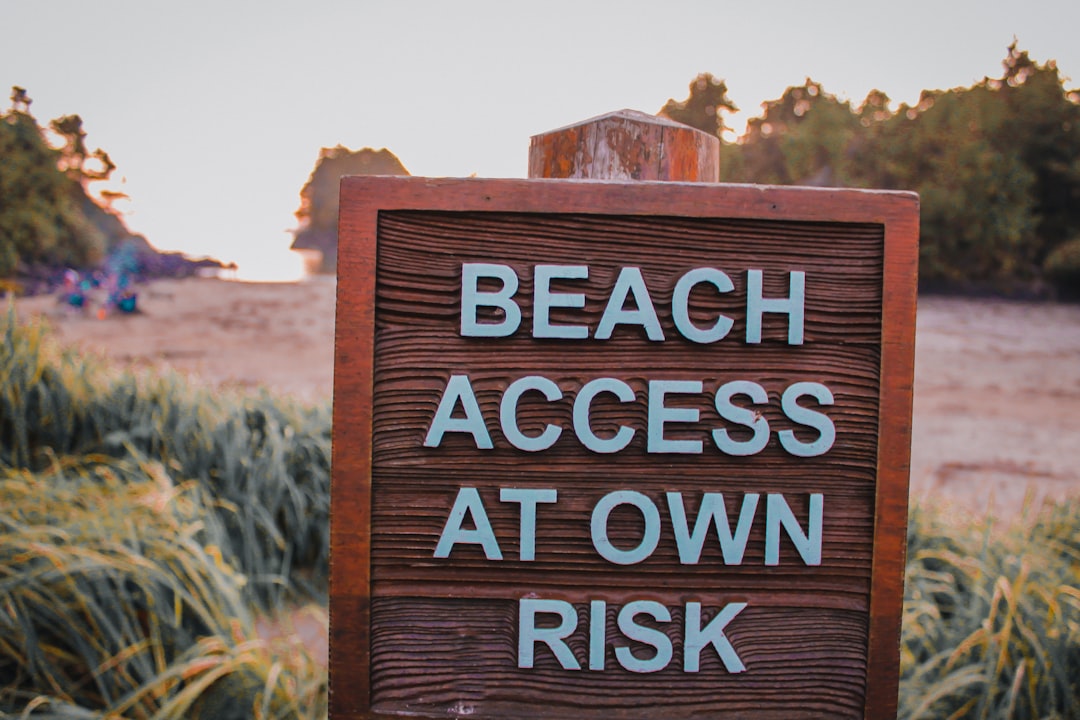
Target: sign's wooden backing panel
{"type": "Point", "coordinates": [417, 634]}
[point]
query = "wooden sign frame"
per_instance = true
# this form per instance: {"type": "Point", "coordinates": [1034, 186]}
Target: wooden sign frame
{"type": "Point", "coordinates": [366, 205]}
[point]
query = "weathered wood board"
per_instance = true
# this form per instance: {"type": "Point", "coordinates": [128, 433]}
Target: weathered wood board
{"type": "Point", "coordinates": [626, 145]}
{"type": "Point", "coordinates": [573, 572]}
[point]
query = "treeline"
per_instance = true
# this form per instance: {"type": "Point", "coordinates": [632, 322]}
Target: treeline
{"type": "Point", "coordinates": [48, 219]}
{"type": "Point", "coordinates": [997, 166]}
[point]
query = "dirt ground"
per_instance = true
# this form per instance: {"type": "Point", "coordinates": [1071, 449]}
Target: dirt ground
{"type": "Point", "coordinates": [997, 387]}
{"type": "Point", "coordinates": [278, 335]}
{"type": "Point", "coordinates": [997, 403]}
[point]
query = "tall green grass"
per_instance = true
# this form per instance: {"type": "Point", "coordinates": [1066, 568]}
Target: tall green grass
{"type": "Point", "coordinates": [992, 617]}
{"type": "Point", "coordinates": [115, 598]}
{"type": "Point", "coordinates": [265, 461]}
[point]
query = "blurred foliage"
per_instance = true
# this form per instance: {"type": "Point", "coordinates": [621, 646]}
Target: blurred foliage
{"type": "Point", "coordinates": [704, 107]}
{"type": "Point", "coordinates": [991, 625]}
{"type": "Point", "coordinates": [1062, 266]}
{"type": "Point", "coordinates": [801, 138]}
{"type": "Point", "coordinates": [117, 600]}
{"type": "Point", "coordinates": [143, 522]}
{"type": "Point", "coordinates": [264, 461]}
{"type": "Point", "coordinates": [997, 165]}
{"type": "Point", "coordinates": [318, 213]}
{"type": "Point", "coordinates": [49, 222]}
{"type": "Point", "coordinates": [42, 219]}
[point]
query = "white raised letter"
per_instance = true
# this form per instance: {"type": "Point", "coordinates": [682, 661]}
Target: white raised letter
{"type": "Point", "coordinates": [544, 300]}
{"type": "Point", "coordinates": [458, 388]}
{"type": "Point", "coordinates": [597, 634]}
{"type": "Point", "coordinates": [741, 416]}
{"type": "Point", "coordinates": [600, 520]}
{"type": "Point", "coordinates": [712, 509]}
{"type": "Point", "coordinates": [554, 637]}
{"type": "Point", "coordinates": [582, 405]}
{"type": "Point", "coordinates": [698, 638]}
{"type": "Point", "coordinates": [659, 414]}
{"type": "Point", "coordinates": [680, 305]}
{"type": "Point", "coordinates": [793, 306]}
{"type": "Point", "coordinates": [508, 413]}
{"type": "Point", "coordinates": [528, 498]}
{"type": "Point", "coordinates": [811, 418]}
{"type": "Point", "coordinates": [468, 500]}
{"type": "Point", "coordinates": [630, 282]}
{"type": "Point", "coordinates": [472, 298]}
{"type": "Point", "coordinates": [777, 513]}
{"type": "Point", "coordinates": [643, 634]}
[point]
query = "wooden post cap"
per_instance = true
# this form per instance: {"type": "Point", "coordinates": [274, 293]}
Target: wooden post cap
{"type": "Point", "coordinates": [626, 145]}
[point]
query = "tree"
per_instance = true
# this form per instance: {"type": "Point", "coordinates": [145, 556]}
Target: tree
{"type": "Point", "coordinates": [704, 106]}
{"type": "Point", "coordinates": [1041, 119]}
{"type": "Point", "coordinates": [20, 101]}
{"type": "Point", "coordinates": [74, 152]}
{"type": "Point", "coordinates": [318, 213]}
{"type": "Point", "coordinates": [802, 138]}
{"type": "Point", "coordinates": [997, 166]}
{"type": "Point", "coordinates": [41, 216]}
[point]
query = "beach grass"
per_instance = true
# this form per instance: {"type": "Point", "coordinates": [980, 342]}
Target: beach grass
{"type": "Point", "coordinates": [263, 461]}
{"type": "Point", "coordinates": [116, 598]}
{"type": "Point", "coordinates": [992, 616]}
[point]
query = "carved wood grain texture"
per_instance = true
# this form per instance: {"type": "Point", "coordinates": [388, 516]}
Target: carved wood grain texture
{"type": "Point", "coordinates": [465, 647]}
{"type": "Point", "coordinates": [440, 638]}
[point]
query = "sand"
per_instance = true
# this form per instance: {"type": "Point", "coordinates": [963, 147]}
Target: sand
{"type": "Point", "coordinates": [997, 403]}
{"type": "Point", "coordinates": [997, 386]}
{"type": "Point", "coordinates": [276, 335]}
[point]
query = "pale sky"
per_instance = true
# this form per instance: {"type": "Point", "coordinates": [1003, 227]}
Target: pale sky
{"type": "Point", "coordinates": [214, 110]}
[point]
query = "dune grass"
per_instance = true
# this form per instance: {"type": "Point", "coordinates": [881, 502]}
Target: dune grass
{"type": "Point", "coordinates": [144, 521]}
{"type": "Point", "coordinates": [115, 597]}
{"type": "Point", "coordinates": [264, 461]}
{"type": "Point", "coordinates": [992, 617]}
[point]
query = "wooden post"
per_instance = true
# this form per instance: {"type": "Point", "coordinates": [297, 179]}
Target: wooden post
{"type": "Point", "coordinates": [626, 145]}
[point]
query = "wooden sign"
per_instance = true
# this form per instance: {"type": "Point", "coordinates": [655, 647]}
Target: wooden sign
{"type": "Point", "coordinates": [620, 450]}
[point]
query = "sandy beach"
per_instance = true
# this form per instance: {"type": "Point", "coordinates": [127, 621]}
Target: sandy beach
{"type": "Point", "coordinates": [997, 386]}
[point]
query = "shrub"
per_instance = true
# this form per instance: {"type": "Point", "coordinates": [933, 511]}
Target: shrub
{"type": "Point", "coordinates": [1062, 267]}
